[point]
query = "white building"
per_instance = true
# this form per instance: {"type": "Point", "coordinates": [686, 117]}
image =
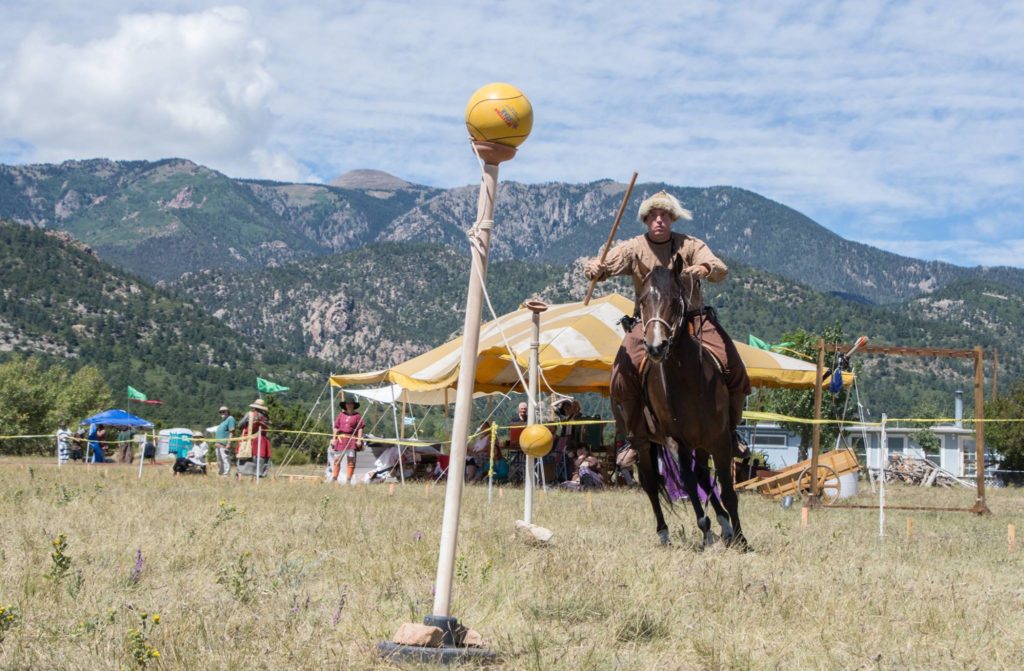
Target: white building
{"type": "Point", "coordinates": [956, 451]}
{"type": "Point", "coordinates": [781, 448]}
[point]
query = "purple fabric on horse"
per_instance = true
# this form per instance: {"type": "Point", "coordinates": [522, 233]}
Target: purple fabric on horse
{"type": "Point", "coordinates": [674, 479]}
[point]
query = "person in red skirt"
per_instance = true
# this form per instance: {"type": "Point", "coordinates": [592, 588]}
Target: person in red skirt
{"type": "Point", "coordinates": [348, 438]}
{"type": "Point", "coordinates": [255, 445]}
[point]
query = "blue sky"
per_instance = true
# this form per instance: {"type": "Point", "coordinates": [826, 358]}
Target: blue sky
{"type": "Point", "coordinates": [897, 124]}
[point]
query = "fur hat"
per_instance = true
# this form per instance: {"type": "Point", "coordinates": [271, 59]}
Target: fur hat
{"type": "Point", "coordinates": [258, 404]}
{"type": "Point", "coordinates": [663, 200]}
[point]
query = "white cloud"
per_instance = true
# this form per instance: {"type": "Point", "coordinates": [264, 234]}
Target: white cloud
{"type": "Point", "coordinates": [876, 118]}
{"type": "Point", "coordinates": [191, 85]}
{"type": "Point", "coordinates": [963, 252]}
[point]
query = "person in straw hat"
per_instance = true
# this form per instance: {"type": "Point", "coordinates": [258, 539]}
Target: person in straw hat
{"type": "Point", "coordinates": [348, 438]}
{"type": "Point", "coordinates": [636, 257]}
{"type": "Point", "coordinates": [254, 444]}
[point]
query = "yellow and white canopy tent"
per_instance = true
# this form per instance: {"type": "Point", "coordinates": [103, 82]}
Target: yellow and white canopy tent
{"type": "Point", "coordinates": [577, 347]}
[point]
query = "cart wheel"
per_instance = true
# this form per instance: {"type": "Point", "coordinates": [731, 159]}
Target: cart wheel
{"type": "Point", "coordinates": [828, 484]}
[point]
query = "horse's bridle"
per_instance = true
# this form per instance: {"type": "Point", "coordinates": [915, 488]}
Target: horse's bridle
{"type": "Point", "coordinates": [671, 328]}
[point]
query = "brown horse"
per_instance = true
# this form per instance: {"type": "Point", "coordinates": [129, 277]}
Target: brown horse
{"type": "Point", "coordinates": [688, 403]}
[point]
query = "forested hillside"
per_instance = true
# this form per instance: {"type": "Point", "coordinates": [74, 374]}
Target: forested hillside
{"type": "Point", "coordinates": [60, 302]}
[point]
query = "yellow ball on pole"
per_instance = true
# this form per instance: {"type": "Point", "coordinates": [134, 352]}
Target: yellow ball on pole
{"type": "Point", "coordinates": [536, 440]}
{"type": "Point", "coordinates": [499, 113]}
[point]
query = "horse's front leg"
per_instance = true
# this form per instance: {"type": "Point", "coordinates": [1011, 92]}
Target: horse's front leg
{"type": "Point", "coordinates": [650, 480]}
{"type": "Point", "coordinates": [723, 466]}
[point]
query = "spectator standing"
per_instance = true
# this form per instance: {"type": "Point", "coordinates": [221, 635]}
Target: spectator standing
{"type": "Point", "coordinates": [479, 454]}
{"type": "Point", "coordinates": [254, 445]}
{"type": "Point", "coordinates": [96, 436]}
{"type": "Point", "coordinates": [222, 436]}
{"type": "Point", "coordinates": [348, 438]}
{"type": "Point", "coordinates": [78, 442]}
{"type": "Point", "coordinates": [63, 443]}
{"type": "Point", "coordinates": [124, 445]}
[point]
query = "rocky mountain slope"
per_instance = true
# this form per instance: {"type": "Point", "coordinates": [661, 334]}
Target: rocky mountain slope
{"type": "Point", "coordinates": [383, 304]}
{"type": "Point", "coordinates": [165, 218]}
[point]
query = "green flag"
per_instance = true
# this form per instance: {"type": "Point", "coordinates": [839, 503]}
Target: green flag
{"type": "Point", "coordinates": [268, 387]}
{"type": "Point", "coordinates": [135, 395]}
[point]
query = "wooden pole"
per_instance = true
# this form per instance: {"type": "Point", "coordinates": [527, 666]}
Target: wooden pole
{"type": "Point", "coordinates": [980, 506]}
{"type": "Point", "coordinates": [1011, 537]}
{"type": "Point", "coordinates": [480, 238]}
{"type": "Point", "coordinates": [816, 429]}
{"type": "Point", "coordinates": [611, 236]}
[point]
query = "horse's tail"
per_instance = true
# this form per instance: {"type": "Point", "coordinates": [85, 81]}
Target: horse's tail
{"type": "Point", "coordinates": [670, 481]}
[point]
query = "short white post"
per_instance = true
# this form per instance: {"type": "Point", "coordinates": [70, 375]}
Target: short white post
{"type": "Point", "coordinates": [883, 460]}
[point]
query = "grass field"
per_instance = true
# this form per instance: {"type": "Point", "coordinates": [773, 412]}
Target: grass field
{"type": "Point", "coordinates": [302, 576]}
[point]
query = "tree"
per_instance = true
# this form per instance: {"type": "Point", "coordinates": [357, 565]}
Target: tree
{"type": "Point", "coordinates": [34, 399]}
{"type": "Point", "coordinates": [1007, 438]}
{"type": "Point", "coordinates": [800, 402]}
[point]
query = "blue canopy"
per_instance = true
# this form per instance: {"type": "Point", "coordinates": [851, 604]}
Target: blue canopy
{"type": "Point", "coordinates": [117, 417]}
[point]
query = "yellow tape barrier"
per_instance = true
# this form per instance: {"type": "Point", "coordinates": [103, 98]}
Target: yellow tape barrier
{"type": "Point", "coordinates": [749, 415]}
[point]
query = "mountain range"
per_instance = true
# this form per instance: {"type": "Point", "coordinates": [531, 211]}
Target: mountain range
{"type": "Point", "coordinates": [369, 270]}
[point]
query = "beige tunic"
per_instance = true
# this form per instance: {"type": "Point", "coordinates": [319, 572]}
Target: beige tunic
{"type": "Point", "coordinates": [637, 256]}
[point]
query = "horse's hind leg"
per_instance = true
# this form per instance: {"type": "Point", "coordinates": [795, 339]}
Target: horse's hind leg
{"type": "Point", "coordinates": [723, 465]}
{"type": "Point", "coordinates": [647, 469]}
{"type": "Point", "coordinates": [690, 484]}
{"type": "Point", "coordinates": [704, 479]}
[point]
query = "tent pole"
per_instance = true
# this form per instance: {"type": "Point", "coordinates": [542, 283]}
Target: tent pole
{"type": "Point", "coordinates": [490, 465]}
{"type": "Point", "coordinates": [330, 445]}
{"type": "Point", "coordinates": [401, 446]}
{"type": "Point", "coordinates": [142, 451]}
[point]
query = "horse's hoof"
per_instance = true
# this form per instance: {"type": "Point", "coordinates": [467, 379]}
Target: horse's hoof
{"type": "Point", "coordinates": [739, 542]}
{"type": "Point", "coordinates": [663, 538]}
{"type": "Point", "coordinates": [726, 524]}
{"type": "Point", "coordinates": [710, 538]}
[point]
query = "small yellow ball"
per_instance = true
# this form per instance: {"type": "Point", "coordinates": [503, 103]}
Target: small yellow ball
{"type": "Point", "coordinates": [499, 113]}
{"type": "Point", "coordinates": [536, 440]}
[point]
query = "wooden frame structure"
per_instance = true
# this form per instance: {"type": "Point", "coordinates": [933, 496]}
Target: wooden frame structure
{"type": "Point", "coordinates": [979, 507]}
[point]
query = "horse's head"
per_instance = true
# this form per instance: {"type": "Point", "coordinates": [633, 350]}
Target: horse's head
{"type": "Point", "coordinates": [663, 305]}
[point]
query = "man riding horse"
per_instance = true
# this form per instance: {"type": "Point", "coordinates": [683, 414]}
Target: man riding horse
{"type": "Point", "coordinates": [636, 257]}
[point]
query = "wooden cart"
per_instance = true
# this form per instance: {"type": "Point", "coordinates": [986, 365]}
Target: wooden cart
{"type": "Point", "coordinates": [796, 480]}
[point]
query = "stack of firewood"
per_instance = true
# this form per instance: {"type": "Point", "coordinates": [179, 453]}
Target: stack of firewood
{"type": "Point", "coordinates": [923, 472]}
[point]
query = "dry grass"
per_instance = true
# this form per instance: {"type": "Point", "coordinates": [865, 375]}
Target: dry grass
{"type": "Point", "coordinates": [297, 576]}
